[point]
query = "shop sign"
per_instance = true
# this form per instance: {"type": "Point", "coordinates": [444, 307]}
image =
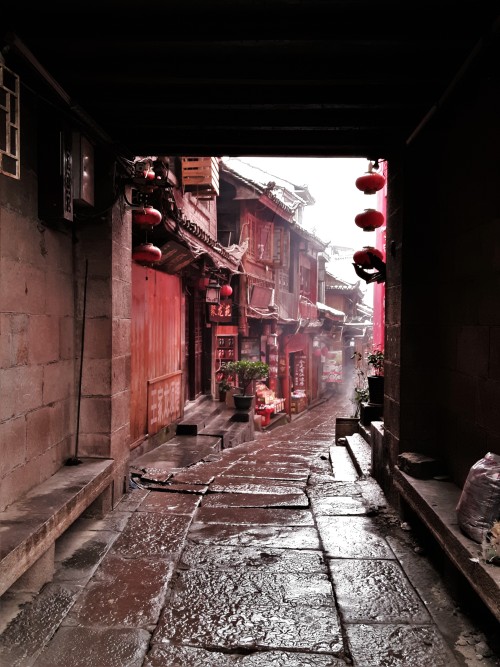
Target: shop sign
{"type": "Point", "coordinates": [220, 312]}
{"type": "Point", "coordinates": [164, 401]}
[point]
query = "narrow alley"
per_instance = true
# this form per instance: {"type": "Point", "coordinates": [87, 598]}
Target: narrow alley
{"type": "Point", "coordinates": [281, 551]}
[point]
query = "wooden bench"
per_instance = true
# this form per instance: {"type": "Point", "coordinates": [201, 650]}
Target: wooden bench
{"type": "Point", "coordinates": [30, 526]}
{"type": "Point", "coordinates": [435, 504]}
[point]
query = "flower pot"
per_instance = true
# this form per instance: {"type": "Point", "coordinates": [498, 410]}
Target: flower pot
{"type": "Point", "coordinates": [376, 389]}
{"type": "Point", "coordinates": [242, 402]}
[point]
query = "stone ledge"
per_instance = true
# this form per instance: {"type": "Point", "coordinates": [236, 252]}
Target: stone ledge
{"type": "Point", "coordinates": [361, 453]}
{"type": "Point", "coordinates": [31, 525]}
{"type": "Point", "coordinates": [435, 503]}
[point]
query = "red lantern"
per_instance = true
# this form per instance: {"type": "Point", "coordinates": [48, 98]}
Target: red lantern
{"type": "Point", "coordinates": [317, 352]}
{"type": "Point", "coordinates": [363, 258]}
{"type": "Point", "coordinates": [226, 290]}
{"type": "Point", "coordinates": [146, 252]}
{"type": "Point", "coordinates": [146, 216]}
{"type": "Point", "coordinates": [370, 183]}
{"type": "Point", "coordinates": [369, 220]}
{"type": "Point", "coordinates": [324, 350]}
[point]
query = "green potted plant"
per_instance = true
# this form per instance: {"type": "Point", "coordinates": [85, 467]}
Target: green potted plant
{"type": "Point", "coordinates": [246, 373]}
{"type": "Point", "coordinates": [224, 387]}
{"type": "Point", "coordinates": [375, 359]}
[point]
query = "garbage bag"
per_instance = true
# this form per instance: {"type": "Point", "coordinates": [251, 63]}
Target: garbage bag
{"type": "Point", "coordinates": [479, 503]}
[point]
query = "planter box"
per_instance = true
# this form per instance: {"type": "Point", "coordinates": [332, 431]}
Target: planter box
{"type": "Point", "coordinates": [345, 426]}
{"type": "Point", "coordinates": [298, 405]}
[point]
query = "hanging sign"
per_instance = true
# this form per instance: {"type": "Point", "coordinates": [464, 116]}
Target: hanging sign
{"type": "Point", "coordinates": [332, 367]}
{"type": "Point", "coordinates": [221, 312]}
{"type": "Point", "coordinates": [164, 401]}
{"type": "Point", "coordinates": [299, 373]}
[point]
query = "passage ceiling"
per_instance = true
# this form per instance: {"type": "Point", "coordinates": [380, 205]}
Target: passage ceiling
{"type": "Point", "coordinates": [259, 77]}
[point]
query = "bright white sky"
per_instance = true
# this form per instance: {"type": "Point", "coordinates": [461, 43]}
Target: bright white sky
{"type": "Point", "coordinates": [331, 181]}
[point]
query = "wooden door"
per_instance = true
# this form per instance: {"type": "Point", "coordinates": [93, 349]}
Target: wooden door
{"type": "Point", "coordinates": [195, 322]}
{"type": "Point", "coordinates": [156, 352]}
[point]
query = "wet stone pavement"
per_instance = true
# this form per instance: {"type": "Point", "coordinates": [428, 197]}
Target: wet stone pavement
{"type": "Point", "coordinates": [274, 553]}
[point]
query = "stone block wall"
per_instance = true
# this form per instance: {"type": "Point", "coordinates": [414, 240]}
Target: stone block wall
{"type": "Point", "coordinates": [37, 351]}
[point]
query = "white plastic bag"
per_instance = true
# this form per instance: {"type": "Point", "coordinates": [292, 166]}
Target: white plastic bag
{"type": "Point", "coordinates": [479, 504]}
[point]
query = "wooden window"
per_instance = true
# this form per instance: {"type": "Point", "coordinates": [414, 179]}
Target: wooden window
{"type": "Point", "coordinates": [10, 164]}
{"type": "Point", "coordinates": [305, 281]}
{"type": "Point", "coordinates": [281, 247]}
{"type": "Point", "coordinates": [260, 246]}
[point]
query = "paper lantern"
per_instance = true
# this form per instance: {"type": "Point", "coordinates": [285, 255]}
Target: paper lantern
{"type": "Point", "coordinates": [369, 220]}
{"type": "Point", "coordinates": [226, 290]}
{"type": "Point", "coordinates": [146, 216]}
{"type": "Point", "coordinates": [146, 252]}
{"type": "Point", "coordinates": [370, 183]}
{"type": "Point", "coordinates": [362, 257]}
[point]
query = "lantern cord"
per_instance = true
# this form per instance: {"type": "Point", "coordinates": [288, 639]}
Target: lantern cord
{"type": "Point", "coordinates": [74, 460]}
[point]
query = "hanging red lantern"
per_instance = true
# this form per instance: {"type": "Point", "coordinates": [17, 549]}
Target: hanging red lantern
{"type": "Point", "coordinates": [324, 350]}
{"type": "Point", "coordinates": [203, 283]}
{"type": "Point", "coordinates": [370, 183]}
{"type": "Point", "coordinates": [146, 216]}
{"type": "Point", "coordinates": [146, 252]}
{"type": "Point", "coordinates": [317, 352]}
{"type": "Point", "coordinates": [226, 290]}
{"type": "Point", "coordinates": [369, 220]}
{"type": "Point", "coordinates": [362, 257]}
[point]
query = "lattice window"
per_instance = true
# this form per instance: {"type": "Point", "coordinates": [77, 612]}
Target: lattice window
{"type": "Point", "coordinates": [281, 247]}
{"type": "Point", "coordinates": [10, 164]}
{"type": "Point", "coordinates": [260, 239]}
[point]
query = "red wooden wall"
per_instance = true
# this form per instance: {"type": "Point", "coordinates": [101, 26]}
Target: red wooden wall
{"type": "Point", "coordinates": [157, 344]}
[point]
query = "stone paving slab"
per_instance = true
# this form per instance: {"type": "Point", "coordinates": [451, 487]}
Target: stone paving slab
{"type": "Point", "coordinates": [352, 537]}
{"type": "Point", "coordinates": [79, 553]}
{"type": "Point", "coordinates": [266, 471]}
{"type": "Point", "coordinates": [285, 537]}
{"type": "Point", "coordinates": [229, 484]}
{"type": "Point", "coordinates": [398, 646]}
{"type": "Point", "coordinates": [95, 647]}
{"type": "Point", "coordinates": [35, 624]}
{"type": "Point", "coordinates": [136, 587]}
{"type": "Point", "coordinates": [339, 505]}
{"type": "Point", "coordinates": [255, 516]}
{"type": "Point", "coordinates": [153, 535]}
{"type": "Point", "coordinates": [246, 609]}
{"type": "Point", "coordinates": [298, 499]}
{"type": "Point", "coordinates": [322, 487]}
{"type": "Point", "coordinates": [201, 473]}
{"type": "Point", "coordinates": [270, 560]}
{"type": "Point", "coordinates": [186, 656]}
{"type": "Point", "coordinates": [376, 591]}
{"type": "Point", "coordinates": [174, 503]}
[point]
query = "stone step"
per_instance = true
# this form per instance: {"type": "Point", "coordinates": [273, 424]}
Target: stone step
{"type": "Point", "coordinates": [361, 453]}
{"type": "Point", "coordinates": [343, 468]}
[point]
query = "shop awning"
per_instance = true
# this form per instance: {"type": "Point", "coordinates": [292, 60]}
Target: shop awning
{"type": "Point", "coordinates": [330, 312]}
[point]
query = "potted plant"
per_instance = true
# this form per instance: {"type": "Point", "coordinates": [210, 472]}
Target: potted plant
{"type": "Point", "coordinates": [246, 373]}
{"type": "Point", "coordinates": [375, 359]}
{"type": "Point", "coordinates": [224, 387]}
